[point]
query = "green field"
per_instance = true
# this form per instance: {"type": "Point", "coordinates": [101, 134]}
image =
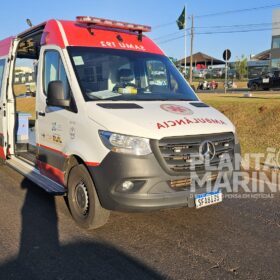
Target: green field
{"type": "Point", "coordinates": [257, 119]}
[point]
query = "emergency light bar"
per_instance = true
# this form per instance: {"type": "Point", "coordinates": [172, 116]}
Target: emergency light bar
{"type": "Point", "coordinates": [113, 23]}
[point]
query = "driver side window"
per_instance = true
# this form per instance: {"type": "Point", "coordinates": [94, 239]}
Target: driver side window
{"type": "Point", "coordinates": [54, 71]}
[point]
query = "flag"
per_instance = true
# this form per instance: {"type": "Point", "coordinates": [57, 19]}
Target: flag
{"type": "Point", "coordinates": [181, 21]}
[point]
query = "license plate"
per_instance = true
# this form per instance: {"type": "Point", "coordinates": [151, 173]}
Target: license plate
{"type": "Point", "coordinates": [206, 199]}
{"type": "Point", "coordinates": [265, 81]}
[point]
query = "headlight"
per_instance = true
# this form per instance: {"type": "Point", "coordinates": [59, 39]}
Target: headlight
{"type": "Point", "coordinates": [121, 143]}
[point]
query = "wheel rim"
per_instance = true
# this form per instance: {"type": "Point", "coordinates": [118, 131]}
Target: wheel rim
{"type": "Point", "coordinates": [82, 199]}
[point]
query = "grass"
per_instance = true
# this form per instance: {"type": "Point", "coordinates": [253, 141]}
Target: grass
{"type": "Point", "coordinates": [18, 89]}
{"type": "Point", "coordinates": [257, 119]}
{"type": "Point", "coordinates": [26, 105]}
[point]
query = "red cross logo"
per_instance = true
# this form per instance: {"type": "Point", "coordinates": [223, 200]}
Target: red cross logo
{"type": "Point", "coordinates": [176, 109]}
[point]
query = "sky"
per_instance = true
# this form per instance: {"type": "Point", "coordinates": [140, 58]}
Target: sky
{"type": "Point", "coordinates": [162, 16]}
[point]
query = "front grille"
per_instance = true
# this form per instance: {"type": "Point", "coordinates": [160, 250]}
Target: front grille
{"type": "Point", "coordinates": [177, 153]}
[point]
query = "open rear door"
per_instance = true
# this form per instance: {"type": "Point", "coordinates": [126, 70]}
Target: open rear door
{"type": "Point", "coordinates": [5, 50]}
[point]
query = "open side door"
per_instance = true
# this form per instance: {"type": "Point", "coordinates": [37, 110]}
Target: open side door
{"type": "Point", "coordinates": [5, 52]}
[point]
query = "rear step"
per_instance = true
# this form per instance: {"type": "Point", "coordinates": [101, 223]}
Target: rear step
{"type": "Point", "coordinates": [34, 175]}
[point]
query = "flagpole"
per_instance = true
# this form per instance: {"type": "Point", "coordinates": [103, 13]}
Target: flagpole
{"type": "Point", "coordinates": [185, 40]}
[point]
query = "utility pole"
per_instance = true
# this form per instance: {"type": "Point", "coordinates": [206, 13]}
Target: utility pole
{"type": "Point", "coordinates": [185, 39]}
{"type": "Point", "coordinates": [185, 52]}
{"type": "Point", "coordinates": [226, 77]}
{"type": "Point", "coordinates": [191, 56]}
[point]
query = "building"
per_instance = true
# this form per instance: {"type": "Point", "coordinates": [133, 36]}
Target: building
{"type": "Point", "coordinates": [24, 75]}
{"type": "Point", "coordinates": [259, 64]}
{"type": "Point", "coordinates": [269, 59]}
{"type": "Point", "coordinates": [200, 61]}
{"type": "Point", "coordinates": [275, 45]}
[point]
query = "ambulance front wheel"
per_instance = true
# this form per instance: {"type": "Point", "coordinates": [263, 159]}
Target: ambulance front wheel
{"type": "Point", "coordinates": [83, 201]}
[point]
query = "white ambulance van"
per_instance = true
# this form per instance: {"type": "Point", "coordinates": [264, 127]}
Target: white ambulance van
{"type": "Point", "coordinates": [111, 123]}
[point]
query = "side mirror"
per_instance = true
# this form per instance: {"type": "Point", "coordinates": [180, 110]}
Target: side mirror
{"type": "Point", "coordinates": [55, 95]}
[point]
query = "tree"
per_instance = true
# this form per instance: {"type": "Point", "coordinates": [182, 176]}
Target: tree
{"type": "Point", "coordinates": [241, 66]}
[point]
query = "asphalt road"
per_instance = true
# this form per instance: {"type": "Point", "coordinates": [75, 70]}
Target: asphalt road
{"type": "Point", "coordinates": [238, 239]}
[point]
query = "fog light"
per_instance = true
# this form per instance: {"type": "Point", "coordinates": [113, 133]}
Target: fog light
{"type": "Point", "coordinates": [127, 185]}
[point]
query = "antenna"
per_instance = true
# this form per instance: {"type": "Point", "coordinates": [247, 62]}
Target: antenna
{"type": "Point", "coordinates": [28, 21]}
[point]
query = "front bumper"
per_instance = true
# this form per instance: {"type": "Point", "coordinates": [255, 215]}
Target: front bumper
{"type": "Point", "coordinates": [151, 189]}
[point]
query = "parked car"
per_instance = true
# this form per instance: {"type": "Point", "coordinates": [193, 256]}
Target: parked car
{"type": "Point", "coordinates": [267, 81]}
{"type": "Point", "coordinates": [198, 74]}
{"type": "Point", "coordinates": [231, 74]}
{"type": "Point", "coordinates": [217, 72]}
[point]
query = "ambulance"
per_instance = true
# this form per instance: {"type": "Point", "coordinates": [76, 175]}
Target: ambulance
{"type": "Point", "coordinates": [110, 122]}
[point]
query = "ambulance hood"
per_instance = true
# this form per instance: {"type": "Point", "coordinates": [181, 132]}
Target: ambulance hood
{"type": "Point", "coordinates": [155, 120]}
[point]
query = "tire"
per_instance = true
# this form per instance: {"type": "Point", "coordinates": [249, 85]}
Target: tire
{"type": "Point", "coordinates": [254, 87]}
{"type": "Point", "coordinates": [83, 201]}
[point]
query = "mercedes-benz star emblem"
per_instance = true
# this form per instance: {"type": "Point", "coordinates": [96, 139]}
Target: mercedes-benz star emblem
{"type": "Point", "coordinates": [207, 150]}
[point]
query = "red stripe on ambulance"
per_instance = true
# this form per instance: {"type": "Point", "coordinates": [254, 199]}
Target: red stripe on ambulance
{"type": "Point", "coordinates": [51, 172]}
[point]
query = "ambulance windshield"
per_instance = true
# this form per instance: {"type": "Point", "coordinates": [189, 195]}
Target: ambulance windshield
{"type": "Point", "coordinates": [109, 74]}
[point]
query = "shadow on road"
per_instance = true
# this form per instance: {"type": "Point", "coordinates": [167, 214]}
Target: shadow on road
{"type": "Point", "coordinates": [42, 257]}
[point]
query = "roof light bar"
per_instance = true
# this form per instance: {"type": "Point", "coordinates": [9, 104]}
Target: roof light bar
{"type": "Point", "coordinates": [113, 23]}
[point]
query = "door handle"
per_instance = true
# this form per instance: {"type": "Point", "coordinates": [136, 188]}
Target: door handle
{"type": "Point", "coordinates": [42, 114]}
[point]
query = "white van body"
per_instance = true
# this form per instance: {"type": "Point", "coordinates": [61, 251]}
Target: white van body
{"type": "Point", "coordinates": [108, 136]}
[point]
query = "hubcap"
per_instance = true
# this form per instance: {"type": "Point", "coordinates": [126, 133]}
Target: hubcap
{"type": "Point", "coordinates": [82, 200]}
